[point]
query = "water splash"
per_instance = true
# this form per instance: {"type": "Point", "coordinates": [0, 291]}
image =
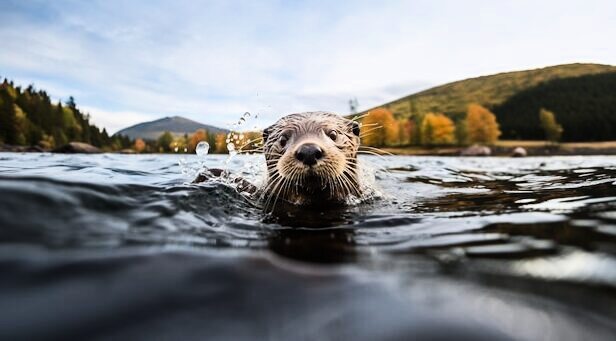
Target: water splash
{"type": "Point", "coordinates": [202, 149]}
{"type": "Point", "coordinates": [236, 139]}
{"type": "Point", "coordinates": [242, 143]}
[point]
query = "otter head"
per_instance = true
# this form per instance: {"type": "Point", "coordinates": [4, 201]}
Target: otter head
{"type": "Point", "coordinates": [311, 159]}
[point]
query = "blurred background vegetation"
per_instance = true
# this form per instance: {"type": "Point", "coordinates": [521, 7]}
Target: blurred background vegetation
{"type": "Point", "coordinates": [580, 99]}
{"type": "Point", "coordinates": [568, 103]}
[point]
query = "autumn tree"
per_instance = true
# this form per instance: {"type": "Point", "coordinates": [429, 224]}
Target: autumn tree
{"type": "Point", "coordinates": [198, 136]}
{"type": "Point", "coordinates": [437, 129]}
{"type": "Point", "coordinates": [251, 141]}
{"type": "Point", "coordinates": [379, 128]}
{"type": "Point", "coordinates": [481, 125]}
{"type": "Point", "coordinates": [165, 142]}
{"type": "Point", "coordinates": [553, 130]}
{"type": "Point", "coordinates": [139, 145]}
{"type": "Point", "coordinates": [221, 143]}
{"type": "Point", "coordinates": [405, 131]}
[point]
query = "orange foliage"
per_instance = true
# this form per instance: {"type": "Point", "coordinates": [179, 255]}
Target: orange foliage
{"type": "Point", "coordinates": [481, 125]}
{"type": "Point", "coordinates": [198, 136]}
{"type": "Point", "coordinates": [139, 145]}
{"type": "Point", "coordinates": [379, 128]}
{"type": "Point", "coordinates": [221, 143]}
{"type": "Point", "coordinates": [437, 129]}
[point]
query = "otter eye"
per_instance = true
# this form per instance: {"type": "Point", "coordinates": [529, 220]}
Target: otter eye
{"type": "Point", "coordinates": [356, 128]}
{"type": "Point", "coordinates": [333, 135]}
{"type": "Point", "coordinates": [283, 140]}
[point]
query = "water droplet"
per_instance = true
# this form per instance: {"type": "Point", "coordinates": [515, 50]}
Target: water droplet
{"type": "Point", "coordinates": [202, 148]}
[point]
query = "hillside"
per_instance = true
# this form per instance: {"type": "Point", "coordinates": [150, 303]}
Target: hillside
{"type": "Point", "coordinates": [585, 106]}
{"type": "Point", "coordinates": [176, 125]}
{"type": "Point", "coordinates": [489, 91]}
{"type": "Point", "coordinates": [28, 117]}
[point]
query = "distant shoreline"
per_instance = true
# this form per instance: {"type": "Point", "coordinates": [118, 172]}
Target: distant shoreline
{"type": "Point", "coordinates": [501, 148]}
{"type": "Point", "coordinates": [506, 147]}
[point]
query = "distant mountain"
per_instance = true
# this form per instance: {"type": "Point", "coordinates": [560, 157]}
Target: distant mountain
{"type": "Point", "coordinates": [490, 91]}
{"type": "Point", "coordinates": [176, 125]}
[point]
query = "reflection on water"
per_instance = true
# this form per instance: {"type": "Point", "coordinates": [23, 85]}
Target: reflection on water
{"type": "Point", "coordinates": [462, 238]}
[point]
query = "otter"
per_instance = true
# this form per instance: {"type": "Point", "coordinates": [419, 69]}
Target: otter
{"type": "Point", "coordinates": [311, 160]}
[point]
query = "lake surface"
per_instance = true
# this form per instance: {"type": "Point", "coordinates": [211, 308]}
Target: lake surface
{"type": "Point", "coordinates": [123, 246]}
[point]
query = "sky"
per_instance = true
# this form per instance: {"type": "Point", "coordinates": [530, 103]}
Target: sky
{"type": "Point", "coordinates": [126, 62]}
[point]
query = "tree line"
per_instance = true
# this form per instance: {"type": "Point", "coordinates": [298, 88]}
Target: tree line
{"type": "Point", "coordinates": [478, 126]}
{"type": "Point", "coordinates": [29, 117]}
{"type": "Point", "coordinates": [219, 143]}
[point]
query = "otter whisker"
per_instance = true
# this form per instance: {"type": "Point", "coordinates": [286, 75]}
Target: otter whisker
{"type": "Point", "coordinates": [276, 190]}
{"type": "Point", "coordinates": [249, 142]}
{"type": "Point", "coordinates": [370, 130]}
{"type": "Point", "coordinates": [376, 150]}
{"type": "Point", "coordinates": [359, 117]}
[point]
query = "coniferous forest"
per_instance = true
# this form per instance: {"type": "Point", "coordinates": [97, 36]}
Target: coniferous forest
{"type": "Point", "coordinates": [585, 107]}
{"type": "Point", "coordinates": [29, 117]}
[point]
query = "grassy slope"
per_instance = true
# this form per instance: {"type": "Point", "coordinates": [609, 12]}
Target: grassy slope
{"type": "Point", "coordinates": [452, 98]}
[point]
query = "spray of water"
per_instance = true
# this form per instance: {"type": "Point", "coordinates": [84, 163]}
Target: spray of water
{"type": "Point", "coordinates": [251, 166]}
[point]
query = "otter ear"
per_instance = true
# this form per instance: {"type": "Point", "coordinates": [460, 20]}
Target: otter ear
{"type": "Point", "coordinates": [355, 126]}
{"type": "Point", "coordinates": [266, 133]}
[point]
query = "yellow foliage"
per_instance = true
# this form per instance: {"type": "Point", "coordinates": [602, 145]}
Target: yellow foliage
{"type": "Point", "coordinates": [481, 125]}
{"type": "Point", "coordinates": [379, 128]}
{"type": "Point", "coordinates": [250, 141]}
{"type": "Point", "coordinates": [437, 129]}
{"type": "Point", "coordinates": [553, 130]}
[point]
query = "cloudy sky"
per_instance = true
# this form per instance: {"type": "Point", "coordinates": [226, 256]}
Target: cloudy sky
{"type": "Point", "coordinates": [130, 61]}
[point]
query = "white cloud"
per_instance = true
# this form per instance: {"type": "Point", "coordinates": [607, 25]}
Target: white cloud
{"type": "Point", "coordinates": [213, 61]}
{"type": "Point", "coordinates": [114, 120]}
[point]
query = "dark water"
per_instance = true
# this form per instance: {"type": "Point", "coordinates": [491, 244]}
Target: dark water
{"type": "Point", "coordinates": [122, 247]}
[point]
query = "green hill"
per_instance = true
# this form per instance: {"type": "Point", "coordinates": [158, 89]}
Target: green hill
{"type": "Point", "coordinates": [489, 91]}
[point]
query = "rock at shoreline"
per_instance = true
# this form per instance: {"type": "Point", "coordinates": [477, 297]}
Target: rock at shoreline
{"type": "Point", "coordinates": [77, 148]}
{"type": "Point", "coordinates": [476, 150]}
{"type": "Point", "coordinates": [519, 152]}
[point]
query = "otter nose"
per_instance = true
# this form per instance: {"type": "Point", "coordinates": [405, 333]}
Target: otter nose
{"type": "Point", "coordinates": [309, 153]}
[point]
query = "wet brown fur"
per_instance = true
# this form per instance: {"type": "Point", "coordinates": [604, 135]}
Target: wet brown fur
{"type": "Point", "coordinates": [331, 180]}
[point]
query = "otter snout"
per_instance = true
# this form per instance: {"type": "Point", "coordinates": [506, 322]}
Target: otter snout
{"type": "Point", "coordinates": [309, 153]}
